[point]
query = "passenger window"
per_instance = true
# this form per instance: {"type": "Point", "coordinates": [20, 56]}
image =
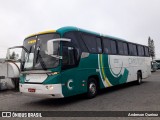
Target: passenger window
{"type": "Point", "coordinates": [135, 50]}
{"type": "Point", "coordinates": [120, 48]}
{"type": "Point", "coordinates": [146, 51]}
{"type": "Point", "coordinates": [125, 48]}
{"type": "Point", "coordinates": [106, 45]}
{"type": "Point", "coordinates": [113, 47]}
{"type": "Point", "coordinates": [76, 39]}
{"type": "Point", "coordinates": [142, 49]}
{"type": "Point", "coordinates": [131, 49]}
{"type": "Point", "coordinates": [99, 46]}
{"type": "Point", "coordinates": [93, 43]}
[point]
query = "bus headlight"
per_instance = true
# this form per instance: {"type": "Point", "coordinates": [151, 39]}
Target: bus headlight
{"type": "Point", "coordinates": [49, 87]}
{"type": "Point", "coordinates": [53, 73]}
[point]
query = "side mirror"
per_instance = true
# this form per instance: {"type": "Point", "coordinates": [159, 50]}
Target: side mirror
{"type": "Point", "coordinates": [53, 45]}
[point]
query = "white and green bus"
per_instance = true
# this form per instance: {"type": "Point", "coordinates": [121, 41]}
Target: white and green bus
{"type": "Point", "coordinates": [71, 61]}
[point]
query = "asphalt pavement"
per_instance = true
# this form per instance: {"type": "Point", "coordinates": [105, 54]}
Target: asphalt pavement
{"type": "Point", "coordinates": [127, 97]}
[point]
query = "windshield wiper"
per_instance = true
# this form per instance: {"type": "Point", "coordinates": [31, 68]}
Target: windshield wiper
{"type": "Point", "coordinates": [40, 59]}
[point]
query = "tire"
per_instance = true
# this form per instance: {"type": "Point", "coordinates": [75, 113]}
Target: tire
{"type": "Point", "coordinates": [16, 83]}
{"type": "Point", "coordinates": [139, 78]}
{"type": "Point", "coordinates": [92, 88]}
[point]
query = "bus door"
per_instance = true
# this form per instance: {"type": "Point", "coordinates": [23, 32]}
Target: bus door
{"type": "Point", "coordinates": [70, 83]}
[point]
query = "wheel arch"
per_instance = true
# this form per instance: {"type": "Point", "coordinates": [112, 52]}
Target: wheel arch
{"type": "Point", "coordinates": [139, 71]}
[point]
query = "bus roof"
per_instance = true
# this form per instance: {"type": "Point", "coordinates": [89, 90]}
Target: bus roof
{"type": "Point", "coordinates": [44, 32]}
{"type": "Point", "coordinates": [63, 30]}
{"type": "Point", "coordinates": [71, 28]}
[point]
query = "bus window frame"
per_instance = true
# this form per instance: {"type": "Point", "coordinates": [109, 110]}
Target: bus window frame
{"type": "Point", "coordinates": [95, 37]}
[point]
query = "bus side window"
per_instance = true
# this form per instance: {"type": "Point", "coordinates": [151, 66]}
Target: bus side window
{"type": "Point", "coordinates": [130, 49]}
{"type": "Point", "coordinates": [90, 41]}
{"type": "Point", "coordinates": [76, 40]}
{"type": "Point", "coordinates": [135, 50]}
{"type": "Point", "coordinates": [140, 50]}
{"type": "Point", "coordinates": [120, 48]}
{"type": "Point", "coordinates": [106, 45]}
{"type": "Point", "coordinates": [113, 47]}
{"type": "Point", "coordinates": [69, 57]}
{"type": "Point", "coordinates": [146, 51]}
{"type": "Point", "coordinates": [125, 48]}
{"type": "Point", "coordinates": [99, 46]}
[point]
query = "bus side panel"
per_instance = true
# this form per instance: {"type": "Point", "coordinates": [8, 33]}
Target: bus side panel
{"type": "Point", "coordinates": [74, 80]}
{"type": "Point", "coordinates": [119, 69]}
{"type": "Point", "coordinates": [112, 70]}
{"type": "Point", "coordinates": [140, 63]}
{"type": "Point", "coordinates": [147, 67]}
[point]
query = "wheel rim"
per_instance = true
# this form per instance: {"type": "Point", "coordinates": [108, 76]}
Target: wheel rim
{"type": "Point", "coordinates": [92, 88]}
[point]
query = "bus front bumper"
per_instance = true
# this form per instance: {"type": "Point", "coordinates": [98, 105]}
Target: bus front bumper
{"type": "Point", "coordinates": [40, 90]}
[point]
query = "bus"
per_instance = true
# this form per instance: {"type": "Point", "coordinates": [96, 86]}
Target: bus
{"type": "Point", "coordinates": [158, 63]}
{"type": "Point", "coordinates": [71, 61]}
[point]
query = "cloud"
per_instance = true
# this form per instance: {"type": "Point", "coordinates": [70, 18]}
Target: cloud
{"type": "Point", "coordinates": [133, 20]}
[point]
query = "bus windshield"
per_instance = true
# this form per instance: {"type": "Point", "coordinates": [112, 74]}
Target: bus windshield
{"type": "Point", "coordinates": [37, 57]}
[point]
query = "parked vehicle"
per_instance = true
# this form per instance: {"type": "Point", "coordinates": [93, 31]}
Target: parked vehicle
{"type": "Point", "coordinates": [10, 70]}
{"type": "Point", "coordinates": [154, 65]}
{"type": "Point", "coordinates": [158, 64]}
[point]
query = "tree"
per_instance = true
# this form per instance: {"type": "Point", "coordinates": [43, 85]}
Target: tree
{"type": "Point", "coordinates": [151, 47]}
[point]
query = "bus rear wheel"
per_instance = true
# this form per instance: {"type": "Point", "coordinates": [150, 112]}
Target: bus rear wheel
{"type": "Point", "coordinates": [92, 88]}
{"type": "Point", "coordinates": [139, 78]}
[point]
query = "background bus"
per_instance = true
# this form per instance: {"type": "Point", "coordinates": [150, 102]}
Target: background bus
{"type": "Point", "coordinates": [158, 63]}
{"type": "Point", "coordinates": [71, 61]}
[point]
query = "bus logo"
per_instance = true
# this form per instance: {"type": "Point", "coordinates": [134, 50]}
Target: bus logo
{"type": "Point", "coordinates": [69, 84]}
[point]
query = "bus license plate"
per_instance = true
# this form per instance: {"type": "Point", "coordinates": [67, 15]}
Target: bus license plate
{"type": "Point", "coordinates": [31, 90]}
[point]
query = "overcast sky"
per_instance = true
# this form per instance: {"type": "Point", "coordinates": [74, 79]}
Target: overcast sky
{"type": "Point", "coordinates": [132, 20]}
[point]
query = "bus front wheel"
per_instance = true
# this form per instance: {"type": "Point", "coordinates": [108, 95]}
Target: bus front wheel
{"type": "Point", "coordinates": [92, 88]}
